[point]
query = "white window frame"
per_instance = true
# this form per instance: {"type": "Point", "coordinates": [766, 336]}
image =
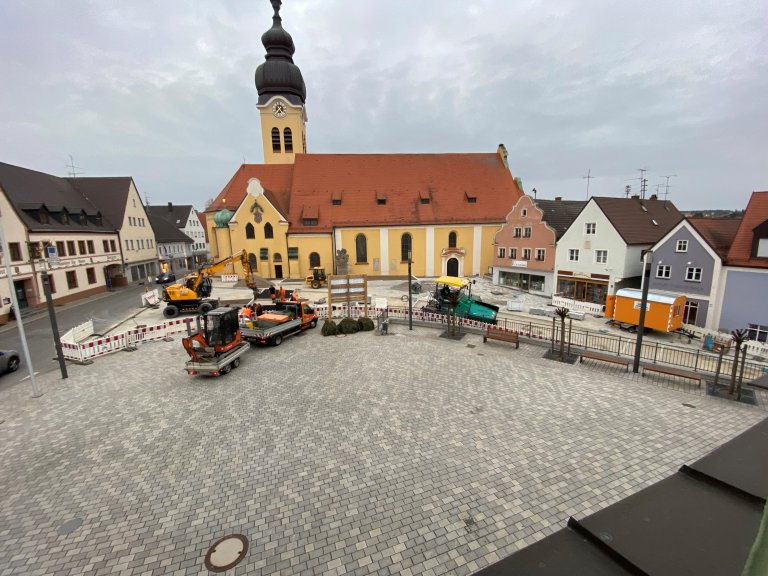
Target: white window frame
{"type": "Point", "coordinates": [590, 231]}
{"type": "Point", "coordinates": [526, 253]}
{"type": "Point", "coordinates": [691, 271]}
{"type": "Point", "coordinates": [664, 271]}
{"type": "Point", "coordinates": [571, 253]}
{"type": "Point", "coordinates": [597, 258]}
{"type": "Point", "coordinates": [681, 246]}
{"type": "Point", "coordinates": [543, 254]}
{"type": "Point", "coordinates": [527, 232]}
{"type": "Point", "coordinates": [518, 232]}
{"type": "Point", "coordinates": [513, 253]}
{"type": "Point", "coordinates": [502, 252]}
{"type": "Point", "coordinates": [524, 212]}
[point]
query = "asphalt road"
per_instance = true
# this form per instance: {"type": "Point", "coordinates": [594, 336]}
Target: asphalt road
{"type": "Point", "coordinates": [105, 310]}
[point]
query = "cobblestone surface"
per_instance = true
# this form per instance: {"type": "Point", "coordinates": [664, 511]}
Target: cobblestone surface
{"type": "Point", "coordinates": [366, 454]}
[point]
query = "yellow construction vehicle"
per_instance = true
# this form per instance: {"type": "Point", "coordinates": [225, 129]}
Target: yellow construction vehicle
{"type": "Point", "coordinates": [193, 293]}
{"type": "Point", "coordinates": [317, 278]}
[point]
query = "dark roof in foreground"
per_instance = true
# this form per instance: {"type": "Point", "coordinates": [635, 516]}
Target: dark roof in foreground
{"type": "Point", "coordinates": [165, 232]}
{"type": "Point", "coordinates": [560, 214]}
{"type": "Point", "coordinates": [639, 221]}
{"type": "Point", "coordinates": [108, 194]}
{"type": "Point", "coordinates": [718, 232]}
{"type": "Point", "coordinates": [702, 520]}
{"type": "Point", "coordinates": [173, 213]}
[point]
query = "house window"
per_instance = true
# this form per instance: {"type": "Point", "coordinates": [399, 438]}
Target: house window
{"type": "Point", "coordinates": [526, 253]}
{"type": "Point", "coordinates": [424, 200]}
{"type": "Point", "coordinates": [250, 232]}
{"type": "Point", "coordinates": [34, 250]}
{"type": "Point", "coordinates": [91, 273]}
{"type": "Point", "coordinates": [275, 140]}
{"type": "Point", "coordinates": [573, 255]}
{"type": "Point", "coordinates": [43, 217]}
{"type": "Point", "coordinates": [682, 246]}
{"type": "Point", "coordinates": [314, 260]}
{"type": "Point", "coordinates": [405, 247]}
{"type": "Point", "coordinates": [81, 247]}
{"type": "Point", "coordinates": [502, 252]}
{"type": "Point", "coordinates": [15, 250]}
{"type": "Point", "coordinates": [601, 256]}
{"type": "Point", "coordinates": [288, 138]}
{"type": "Point", "coordinates": [263, 253]}
{"type": "Point", "coordinates": [310, 221]}
{"type": "Point", "coordinates": [91, 249]}
{"type": "Point", "coordinates": [361, 249]}
{"type": "Point", "coordinates": [758, 332]}
{"type": "Point", "coordinates": [452, 240]}
{"type": "Point", "coordinates": [663, 271]}
{"type": "Point", "coordinates": [141, 243]}
{"type": "Point", "coordinates": [690, 312]}
{"type": "Point", "coordinates": [276, 257]}
{"type": "Point", "coordinates": [381, 201]}
{"type": "Point", "coordinates": [293, 253]}
{"type": "Point", "coordinates": [524, 212]}
{"type": "Point", "coordinates": [693, 274]}
{"type": "Point", "coordinates": [112, 246]}
{"type": "Point", "coordinates": [268, 233]}
{"type": "Point", "coordinates": [513, 253]}
{"type": "Point", "coordinates": [60, 249]}
{"type": "Point", "coordinates": [540, 253]}
{"type": "Point", "coordinates": [590, 227]}
{"type": "Point", "coordinates": [71, 248]}
{"type": "Point", "coordinates": [526, 232]}
{"type": "Point", "coordinates": [336, 201]}
{"type": "Point", "coordinates": [518, 232]}
{"type": "Point", "coordinates": [71, 279]}
{"type": "Point", "coordinates": [104, 245]}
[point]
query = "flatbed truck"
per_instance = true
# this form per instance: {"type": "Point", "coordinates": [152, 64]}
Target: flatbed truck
{"type": "Point", "coordinates": [277, 322]}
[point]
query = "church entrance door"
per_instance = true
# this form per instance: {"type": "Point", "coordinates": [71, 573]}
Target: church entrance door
{"type": "Point", "coordinates": [452, 267]}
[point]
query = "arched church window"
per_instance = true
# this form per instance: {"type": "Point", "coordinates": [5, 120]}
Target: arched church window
{"type": "Point", "coordinates": [276, 140]}
{"type": "Point", "coordinates": [250, 233]}
{"type": "Point", "coordinates": [361, 249]}
{"type": "Point", "coordinates": [268, 233]}
{"type": "Point", "coordinates": [314, 259]}
{"type": "Point", "coordinates": [452, 240]}
{"type": "Point", "coordinates": [288, 139]}
{"type": "Point", "coordinates": [405, 247]}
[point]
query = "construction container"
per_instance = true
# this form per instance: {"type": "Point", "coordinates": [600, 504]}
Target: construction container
{"type": "Point", "coordinates": [662, 312]}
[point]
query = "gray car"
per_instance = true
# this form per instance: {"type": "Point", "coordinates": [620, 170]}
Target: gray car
{"type": "Point", "coordinates": [9, 361]}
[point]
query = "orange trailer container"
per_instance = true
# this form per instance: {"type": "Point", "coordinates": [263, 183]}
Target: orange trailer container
{"type": "Point", "coordinates": [663, 313]}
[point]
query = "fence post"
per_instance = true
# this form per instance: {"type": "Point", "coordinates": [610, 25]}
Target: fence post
{"type": "Point", "coordinates": [530, 328]}
{"type": "Point", "coordinates": [570, 326]}
{"type": "Point", "coordinates": [696, 363]}
{"type": "Point", "coordinates": [553, 335]}
{"type": "Point", "coordinates": [618, 348]}
{"type": "Point", "coordinates": [719, 362]}
{"type": "Point", "coordinates": [655, 352]}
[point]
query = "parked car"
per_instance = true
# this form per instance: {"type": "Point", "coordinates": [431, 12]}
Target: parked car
{"type": "Point", "coordinates": [9, 361]}
{"type": "Point", "coordinates": [166, 277]}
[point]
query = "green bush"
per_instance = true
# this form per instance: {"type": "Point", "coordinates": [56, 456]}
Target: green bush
{"type": "Point", "coordinates": [365, 324]}
{"type": "Point", "coordinates": [330, 328]}
{"type": "Point", "coordinates": [348, 326]}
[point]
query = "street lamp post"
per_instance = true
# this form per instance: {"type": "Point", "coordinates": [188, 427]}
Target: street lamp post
{"type": "Point", "coordinates": [647, 262]}
{"type": "Point", "coordinates": [410, 294]}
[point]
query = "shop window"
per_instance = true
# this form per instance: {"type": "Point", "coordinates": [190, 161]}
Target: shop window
{"type": "Point", "coordinates": [91, 273]}
{"type": "Point", "coordinates": [71, 279]}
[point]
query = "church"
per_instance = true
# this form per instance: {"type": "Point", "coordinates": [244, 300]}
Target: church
{"type": "Point", "coordinates": [353, 213]}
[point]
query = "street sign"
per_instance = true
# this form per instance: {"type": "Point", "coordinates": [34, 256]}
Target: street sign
{"type": "Point", "coordinates": [53, 255]}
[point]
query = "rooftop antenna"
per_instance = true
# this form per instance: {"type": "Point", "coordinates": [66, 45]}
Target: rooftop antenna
{"type": "Point", "coordinates": [627, 190]}
{"type": "Point", "coordinates": [667, 185]}
{"type": "Point", "coordinates": [643, 182]}
{"type": "Point", "coordinates": [73, 170]}
{"type": "Point", "coordinates": [588, 177]}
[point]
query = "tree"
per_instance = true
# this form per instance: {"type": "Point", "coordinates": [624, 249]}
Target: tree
{"type": "Point", "coordinates": [562, 312]}
{"type": "Point", "coordinates": [739, 337]}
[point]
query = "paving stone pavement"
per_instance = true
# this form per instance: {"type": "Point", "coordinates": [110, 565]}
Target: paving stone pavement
{"type": "Point", "coordinates": [365, 454]}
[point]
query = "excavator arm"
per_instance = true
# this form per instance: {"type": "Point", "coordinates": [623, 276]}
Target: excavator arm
{"type": "Point", "coordinates": [211, 269]}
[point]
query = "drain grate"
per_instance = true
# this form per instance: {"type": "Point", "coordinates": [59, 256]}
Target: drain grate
{"type": "Point", "coordinates": [226, 553]}
{"type": "Point", "coordinates": [70, 526]}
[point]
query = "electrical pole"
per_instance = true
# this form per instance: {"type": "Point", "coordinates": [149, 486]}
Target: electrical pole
{"type": "Point", "coordinates": [54, 324]}
{"type": "Point", "coordinates": [588, 177]}
{"type": "Point", "coordinates": [410, 294]}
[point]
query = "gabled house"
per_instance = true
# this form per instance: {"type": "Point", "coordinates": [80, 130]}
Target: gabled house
{"type": "Point", "coordinates": [50, 226]}
{"type": "Point", "coordinates": [688, 261]}
{"type": "Point", "coordinates": [174, 248]}
{"type": "Point", "coordinates": [524, 247]}
{"type": "Point", "coordinates": [742, 299]}
{"type": "Point", "coordinates": [118, 199]}
{"type": "Point", "coordinates": [601, 251]}
{"type": "Point", "coordinates": [185, 218]}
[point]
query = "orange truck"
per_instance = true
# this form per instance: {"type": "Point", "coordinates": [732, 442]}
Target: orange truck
{"type": "Point", "coordinates": [278, 321]}
{"type": "Point", "coordinates": [662, 312]}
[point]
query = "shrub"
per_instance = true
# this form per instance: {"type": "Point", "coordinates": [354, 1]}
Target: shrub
{"type": "Point", "coordinates": [365, 324]}
{"type": "Point", "coordinates": [330, 328]}
{"type": "Point", "coordinates": [348, 326]}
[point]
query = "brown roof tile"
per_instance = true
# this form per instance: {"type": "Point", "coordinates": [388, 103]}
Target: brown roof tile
{"type": "Point", "coordinates": [639, 221]}
{"type": "Point", "coordinates": [718, 232]}
{"type": "Point", "coordinates": [741, 249]}
{"type": "Point", "coordinates": [274, 178]}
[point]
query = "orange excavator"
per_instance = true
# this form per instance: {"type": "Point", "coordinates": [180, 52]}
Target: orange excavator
{"type": "Point", "coordinates": [217, 345]}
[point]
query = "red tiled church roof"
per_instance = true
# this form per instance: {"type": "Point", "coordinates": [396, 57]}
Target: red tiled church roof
{"type": "Point", "coordinates": [756, 213]}
{"type": "Point", "coordinates": [718, 232]}
{"type": "Point", "coordinates": [381, 189]}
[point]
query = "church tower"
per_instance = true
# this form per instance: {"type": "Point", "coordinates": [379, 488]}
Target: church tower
{"type": "Point", "coordinates": [281, 96]}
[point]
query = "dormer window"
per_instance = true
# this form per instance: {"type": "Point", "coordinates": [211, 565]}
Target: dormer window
{"type": "Point", "coordinates": [381, 198]}
{"type": "Point", "coordinates": [64, 218]}
{"type": "Point", "coordinates": [336, 199]}
{"type": "Point", "coordinates": [43, 216]}
{"type": "Point", "coordinates": [471, 197]}
{"type": "Point", "coordinates": [424, 197]}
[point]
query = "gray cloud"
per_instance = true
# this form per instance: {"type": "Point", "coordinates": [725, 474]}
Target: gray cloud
{"type": "Point", "coordinates": [164, 91]}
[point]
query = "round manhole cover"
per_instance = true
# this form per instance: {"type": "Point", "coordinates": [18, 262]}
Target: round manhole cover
{"type": "Point", "coordinates": [226, 553]}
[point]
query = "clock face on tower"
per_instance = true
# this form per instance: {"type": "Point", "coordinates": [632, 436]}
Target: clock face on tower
{"type": "Point", "coordinates": [279, 109]}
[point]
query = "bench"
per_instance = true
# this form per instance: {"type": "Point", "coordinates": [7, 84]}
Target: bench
{"type": "Point", "coordinates": [502, 335]}
{"type": "Point", "coordinates": [672, 372]}
{"type": "Point", "coordinates": [605, 358]}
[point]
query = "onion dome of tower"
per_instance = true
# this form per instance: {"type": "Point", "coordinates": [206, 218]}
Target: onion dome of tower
{"type": "Point", "coordinates": [278, 75]}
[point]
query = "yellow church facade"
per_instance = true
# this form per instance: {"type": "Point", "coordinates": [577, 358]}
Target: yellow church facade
{"type": "Point", "coordinates": [354, 213]}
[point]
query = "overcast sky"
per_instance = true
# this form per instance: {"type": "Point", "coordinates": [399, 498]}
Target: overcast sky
{"type": "Point", "coordinates": [164, 91]}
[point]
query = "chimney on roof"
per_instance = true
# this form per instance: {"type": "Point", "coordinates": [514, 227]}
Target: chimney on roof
{"type": "Point", "coordinates": [558, 198]}
{"type": "Point", "coordinates": [635, 196]}
{"type": "Point", "coordinates": [170, 206]}
{"type": "Point", "coordinates": [653, 197]}
{"type": "Point", "coordinates": [502, 152]}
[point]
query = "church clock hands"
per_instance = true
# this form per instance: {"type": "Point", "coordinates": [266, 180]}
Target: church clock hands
{"type": "Point", "coordinates": [279, 109]}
